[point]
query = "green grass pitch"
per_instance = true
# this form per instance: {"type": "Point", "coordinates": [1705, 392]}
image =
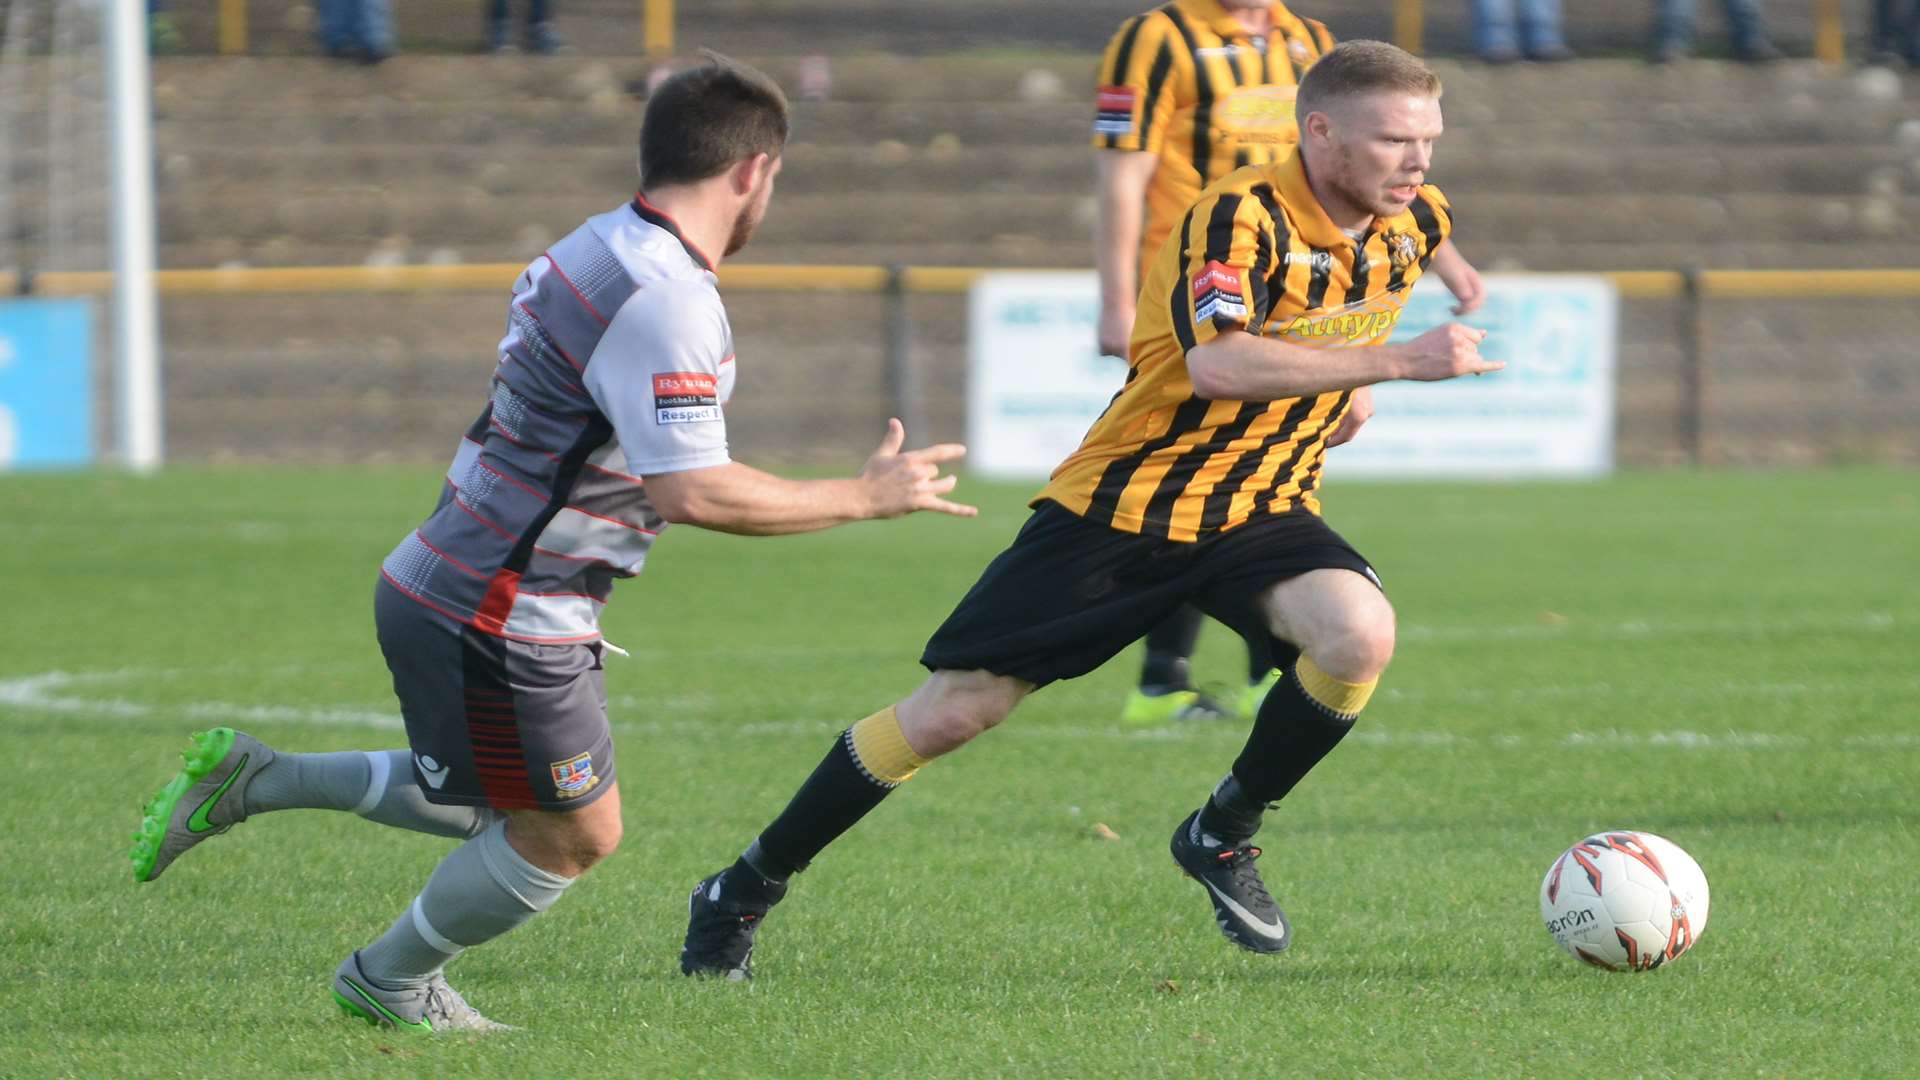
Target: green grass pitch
{"type": "Point", "coordinates": [1731, 660]}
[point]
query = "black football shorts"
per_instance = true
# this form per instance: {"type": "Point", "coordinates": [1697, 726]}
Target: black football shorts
{"type": "Point", "coordinates": [1069, 594]}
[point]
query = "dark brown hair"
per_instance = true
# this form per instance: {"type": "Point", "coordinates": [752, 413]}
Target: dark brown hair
{"type": "Point", "coordinates": [703, 120]}
{"type": "Point", "coordinates": [1359, 67]}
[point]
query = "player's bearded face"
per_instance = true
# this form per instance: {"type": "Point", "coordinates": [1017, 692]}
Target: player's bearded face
{"type": "Point", "coordinates": [1383, 147]}
{"type": "Point", "coordinates": [750, 215]}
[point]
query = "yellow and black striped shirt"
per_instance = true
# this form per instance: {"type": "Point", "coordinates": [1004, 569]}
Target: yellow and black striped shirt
{"type": "Point", "coordinates": [1255, 254]}
{"type": "Point", "coordinates": [1187, 82]}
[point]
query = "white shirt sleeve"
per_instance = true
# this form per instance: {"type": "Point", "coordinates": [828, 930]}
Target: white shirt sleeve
{"type": "Point", "coordinates": [656, 375]}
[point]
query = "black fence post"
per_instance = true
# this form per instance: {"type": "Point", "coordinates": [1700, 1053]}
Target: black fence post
{"type": "Point", "coordinates": [1694, 379]}
{"type": "Point", "coordinates": [903, 379]}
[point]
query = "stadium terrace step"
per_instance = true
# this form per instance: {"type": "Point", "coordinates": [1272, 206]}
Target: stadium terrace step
{"type": "Point", "coordinates": [1756, 219]}
{"type": "Point", "coordinates": [484, 228]}
{"type": "Point", "coordinates": [1622, 88]}
{"type": "Point", "coordinates": [844, 27]}
{"type": "Point", "coordinates": [545, 124]}
{"type": "Point", "coordinates": [1497, 253]}
{"type": "Point", "coordinates": [1487, 249]}
{"type": "Point", "coordinates": [1473, 169]}
{"type": "Point", "coordinates": [471, 219]}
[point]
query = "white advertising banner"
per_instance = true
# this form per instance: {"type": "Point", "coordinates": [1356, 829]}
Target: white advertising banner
{"type": "Point", "coordinates": [1036, 382]}
{"type": "Point", "coordinates": [1035, 378]}
{"type": "Point", "coordinates": [1549, 413]}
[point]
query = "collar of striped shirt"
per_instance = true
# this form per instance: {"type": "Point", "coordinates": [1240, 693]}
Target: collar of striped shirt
{"type": "Point", "coordinates": [1222, 22]}
{"type": "Point", "coordinates": [1314, 226]}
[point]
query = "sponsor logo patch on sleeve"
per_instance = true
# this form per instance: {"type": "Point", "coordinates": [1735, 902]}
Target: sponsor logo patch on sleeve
{"type": "Point", "coordinates": [686, 397]}
{"type": "Point", "coordinates": [1216, 293]}
{"type": "Point", "coordinates": [1114, 105]}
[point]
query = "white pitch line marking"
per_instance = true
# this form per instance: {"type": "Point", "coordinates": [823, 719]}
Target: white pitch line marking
{"type": "Point", "coordinates": [65, 693]}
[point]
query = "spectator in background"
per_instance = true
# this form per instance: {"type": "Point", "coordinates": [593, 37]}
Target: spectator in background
{"type": "Point", "coordinates": [541, 37]}
{"type": "Point", "coordinates": [359, 30]}
{"type": "Point", "coordinates": [1501, 38]}
{"type": "Point", "coordinates": [1896, 32]}
{"type": "Point", "coordinates": [1673, 29]}
{"type": "Point", "coordinates": [163, 38]}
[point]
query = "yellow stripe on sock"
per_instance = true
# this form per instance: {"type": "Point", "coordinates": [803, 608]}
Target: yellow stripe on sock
{"type": "Point", "coordinates": [1335, 695]}
{"type": "Point", "coordinates": [882, 748]}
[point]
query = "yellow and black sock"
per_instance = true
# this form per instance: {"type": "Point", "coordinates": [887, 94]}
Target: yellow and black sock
{"type": "Point", "coordinates": [1304, 717]}
{"type": "Point", "coordinates": [863, 766]}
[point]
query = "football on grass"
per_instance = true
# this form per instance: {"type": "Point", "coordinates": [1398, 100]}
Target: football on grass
{"type": "Point", "coordinates": [1625, 901]}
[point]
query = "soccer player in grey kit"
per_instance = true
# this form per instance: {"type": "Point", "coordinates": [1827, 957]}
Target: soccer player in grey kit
{"type": "Point", "coordinates": [604, 424]}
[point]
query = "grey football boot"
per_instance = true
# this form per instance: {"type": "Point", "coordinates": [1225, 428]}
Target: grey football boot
{"type": "Point", "coordinates": [205, 798]}
{"type": "Point", "coordinates": [433, 1007]}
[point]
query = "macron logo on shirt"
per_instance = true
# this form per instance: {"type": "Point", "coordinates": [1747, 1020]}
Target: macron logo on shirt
{"type": "Point", "coordinates": [686, 397]}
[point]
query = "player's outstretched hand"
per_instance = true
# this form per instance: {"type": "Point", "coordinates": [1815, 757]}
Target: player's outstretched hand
{"type": "Point", "coordinates": [1446, 352]}
{"type": "Point", "coordinates": [902, 483]}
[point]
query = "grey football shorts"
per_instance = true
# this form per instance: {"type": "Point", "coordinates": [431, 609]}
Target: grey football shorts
{"type": "Point", "coordinates": [507, 724]}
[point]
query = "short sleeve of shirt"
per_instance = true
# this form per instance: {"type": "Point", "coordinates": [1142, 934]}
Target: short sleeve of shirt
{"type": "Point", "coordinates": [1134, 100]}
{"type": "Point", "coordinates": [1227, 260]}
{"type": "Point", "coordinates": [656, 375]}
{"type": "Point", "coordinates": [1322, 37]}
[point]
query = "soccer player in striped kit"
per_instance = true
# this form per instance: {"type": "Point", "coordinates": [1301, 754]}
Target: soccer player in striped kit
{"type": "Point", "coordinates": [604, 424]}
{"type": "Point", "coordinates": [1269, 313]}
{"type": "Point", "coordinates": [1188, 92]}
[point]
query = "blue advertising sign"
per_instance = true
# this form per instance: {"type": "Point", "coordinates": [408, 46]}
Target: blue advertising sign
{"type": "Point", "coordinates": [46, 384]}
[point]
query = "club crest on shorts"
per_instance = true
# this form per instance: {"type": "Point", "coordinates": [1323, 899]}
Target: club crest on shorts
{"type": "Point", "coordinates": [574, 777]}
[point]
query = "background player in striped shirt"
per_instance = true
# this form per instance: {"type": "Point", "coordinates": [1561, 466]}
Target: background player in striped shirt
{"type": "Point", "coordinates": [605, 422]}
{"type": "Point", "coordinates": [1267, 315]}
{"type": "Point", "coordinates": [1189, 92]}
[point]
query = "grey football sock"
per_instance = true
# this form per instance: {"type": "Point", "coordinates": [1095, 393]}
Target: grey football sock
{"type": "Point", "coordinates": [392, 797]}
{"type": "Point", "coordinates": [376, 784]}
{"type": "Point", "coordinates": [481, 890]}
{"type": "Point", "coordinates": [309, 781]}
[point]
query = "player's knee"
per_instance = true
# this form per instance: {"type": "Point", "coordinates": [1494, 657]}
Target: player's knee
{"type": "Point", "coordinates": [598, 840]}
{"type": "Point", "coordinates": [950, 709]}
{"type": "Point", "coordinates": [952, 723]}
{"type": "Point", "coordinates": [568, 842]}
{"type": "Point", "coordinates": [1360, 645]}
{"type": "Point", "coordinates": [574, 851]}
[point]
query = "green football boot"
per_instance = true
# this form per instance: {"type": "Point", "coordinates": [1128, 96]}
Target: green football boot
{"type": "Point", "coordinates": [204, 799]}
{"type": "Point", "coordinates": [1150, 710]}
{"type": "Point", "coordinates": [433, 1007]}
{"type": "Point", "coordinates": [1253, 695]}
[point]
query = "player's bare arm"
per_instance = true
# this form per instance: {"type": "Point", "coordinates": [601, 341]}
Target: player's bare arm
{"type": "Point", "coordinates": [1242, 367]}
{"type": "Point", "coordinates": [1460, 278]}
{"type": "Point", "coordinates": [1122, 177]}
{"type": "Point", "coordinates": [738, 498]}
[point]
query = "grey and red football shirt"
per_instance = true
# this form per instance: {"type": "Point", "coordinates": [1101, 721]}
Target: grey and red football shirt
{"type": "Point", "coordinates": [616, 365]}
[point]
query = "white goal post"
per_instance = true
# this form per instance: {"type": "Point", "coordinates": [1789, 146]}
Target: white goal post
{"type": "Point", "coordinates": [136, 347]}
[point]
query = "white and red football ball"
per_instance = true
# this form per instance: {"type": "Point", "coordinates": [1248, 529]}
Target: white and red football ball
{"type": "Point", "coordinates": [1625, 901]}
